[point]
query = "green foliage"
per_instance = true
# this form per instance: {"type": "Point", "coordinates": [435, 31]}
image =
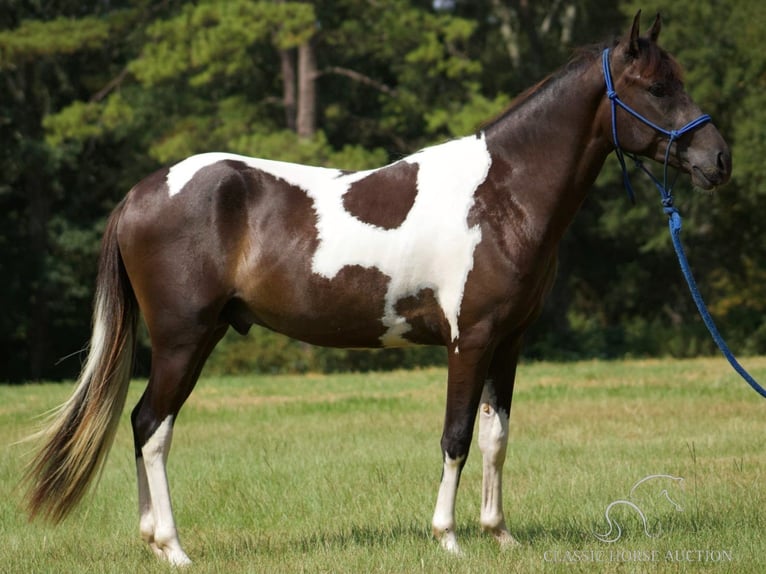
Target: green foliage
{"type": "Point", "coordinates": [212, 40]}
{"type": "Point", "coordinates": [94, 96]}
{"type": "Point", "coordinates": [317, 151]}
{"type": "Point", "coordinates": [465, 117]}
{"type": "Point", "coordinates": [35, 39]}
{"type": "Point", "coordinates": [264, 351]}
{"type": "Point", "coordinates": [84, 121]}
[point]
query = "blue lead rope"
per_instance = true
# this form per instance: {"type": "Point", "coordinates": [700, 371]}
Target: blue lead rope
{"type": "Point", "coordinates": [675, 234]}
{"type": "Point", "coordinates": [674, 216]}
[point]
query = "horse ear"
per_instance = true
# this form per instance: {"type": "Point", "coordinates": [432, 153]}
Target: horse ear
{"type": "Point", "coordinates": [656, 27]}
{"type": "Point", "coordinates": [634, 32]}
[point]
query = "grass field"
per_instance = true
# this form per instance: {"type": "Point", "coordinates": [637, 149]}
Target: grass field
{"type": "Point", "coordinates": [339, 474]}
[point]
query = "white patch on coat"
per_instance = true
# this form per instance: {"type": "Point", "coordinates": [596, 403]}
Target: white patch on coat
{"type": "Point", "coordinates": [303, 176]}
{"type": "Point", "coordinates": [433, 247]}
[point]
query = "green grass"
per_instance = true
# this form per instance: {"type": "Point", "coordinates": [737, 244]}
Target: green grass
{"type": "Point", "coordinates": [339, 474]}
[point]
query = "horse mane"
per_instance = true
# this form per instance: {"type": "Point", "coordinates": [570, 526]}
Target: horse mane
{"type": "Point", "coordinates": [581, 57]}
{"type": "Point", "coordinates": [653, 60]}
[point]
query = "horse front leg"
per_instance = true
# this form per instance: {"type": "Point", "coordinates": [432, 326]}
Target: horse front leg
{"type": "Point", "coordinates": [467, 370]}
{"type": "Point", "coordinates": [493, 438]}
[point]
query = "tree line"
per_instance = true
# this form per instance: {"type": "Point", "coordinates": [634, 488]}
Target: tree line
{"type": "Point", "coordinates": [96, 94]}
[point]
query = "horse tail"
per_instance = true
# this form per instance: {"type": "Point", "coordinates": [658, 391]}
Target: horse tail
{"type": "Point", "coordinates": [80, 432]}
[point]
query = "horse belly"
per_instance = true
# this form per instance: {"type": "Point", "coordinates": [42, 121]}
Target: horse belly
{"type": "Point", "coordinates": [353, 308]}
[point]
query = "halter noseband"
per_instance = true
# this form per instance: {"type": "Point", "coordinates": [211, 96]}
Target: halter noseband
{"type": "Point", "coordinates": [672, 135]}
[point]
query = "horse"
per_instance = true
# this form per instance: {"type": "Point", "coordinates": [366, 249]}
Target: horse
{"type": "Point", "coordinates": [454, 245]}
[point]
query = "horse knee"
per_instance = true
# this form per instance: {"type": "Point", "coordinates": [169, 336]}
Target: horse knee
{"type": "Point", "coordinates": [456, 441]}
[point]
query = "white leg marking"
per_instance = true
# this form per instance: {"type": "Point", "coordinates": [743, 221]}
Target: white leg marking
{"type": "Point", "coordinates": [444, 515]}
{"type": "Point", "coordinates": [145, 513]}
{"type": "Point", "coordinates": [155, 455]}
{"type": "Point", "coordinates": [493, 443]}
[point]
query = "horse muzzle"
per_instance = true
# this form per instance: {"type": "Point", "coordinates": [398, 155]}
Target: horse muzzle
{"type": "Point", "coordinates": [708, 158]}
{"type": "Point", "coordinates": [712, 171]}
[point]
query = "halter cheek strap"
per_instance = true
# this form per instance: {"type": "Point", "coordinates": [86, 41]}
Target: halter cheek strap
{"type": "Point", "coordinates": [672, 135]}
{"type": "Point", "coordinates": [667, 203]}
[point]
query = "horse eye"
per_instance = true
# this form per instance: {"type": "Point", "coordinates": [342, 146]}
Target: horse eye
{"type": "Point", "coordinates": [658, 90]}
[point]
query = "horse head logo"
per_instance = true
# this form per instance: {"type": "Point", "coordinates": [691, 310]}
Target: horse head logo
{"type": "Point", "coordinates": [663, 481]}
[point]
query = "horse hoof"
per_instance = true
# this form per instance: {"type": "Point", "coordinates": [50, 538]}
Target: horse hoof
{"type": "Point", "coordinates": [503, 538]}
{"type": "Point", "coordinates": [177, 558]}
{"type": "Point", "coordinates": [448, 541]}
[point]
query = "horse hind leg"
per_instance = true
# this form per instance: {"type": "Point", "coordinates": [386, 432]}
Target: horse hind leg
{"type": "Point", "coordinates": [173, 376]}
{"type": "Point", "coordinates": [156, 522]}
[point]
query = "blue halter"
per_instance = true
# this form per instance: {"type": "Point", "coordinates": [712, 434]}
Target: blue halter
{"type": "Point", "coordinates": [667, 204]}
{"type": "Point", "coordinates": [672, 135]}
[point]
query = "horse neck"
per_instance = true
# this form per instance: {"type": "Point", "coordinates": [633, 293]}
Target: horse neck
{"type": "Point", "coordinates": [549, 148]}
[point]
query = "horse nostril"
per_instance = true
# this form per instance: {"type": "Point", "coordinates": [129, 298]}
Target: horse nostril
{"type": "Point", "coordinates": [723, 161]}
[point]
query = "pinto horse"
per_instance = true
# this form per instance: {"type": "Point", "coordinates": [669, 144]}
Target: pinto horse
{"type": "Point", "coordinates": [454, 245]}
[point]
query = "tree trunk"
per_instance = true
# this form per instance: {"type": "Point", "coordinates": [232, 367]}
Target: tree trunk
{"type": "Point", "coordinates": [504, 15]}
{"type": "Point", "coordinates": [289, 98]}
{"type": "Point", "coordinates": [39, 211]}
{"type": "Point", "coordinates": [307, 75]}
{"type": "Point", "coordinates": [39, 214]}
{"type": "Point", "coordinates": [37, 194]}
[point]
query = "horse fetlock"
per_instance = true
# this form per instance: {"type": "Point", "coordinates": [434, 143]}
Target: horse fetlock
{"type": "Point", "coordinates": [442, 524]}
{"type": "Point", "coordinates": [492, 521]}
{"type": "Point", "coordinates": [146, 527]}
{"type": "Point", "coordinates": [166, 537]}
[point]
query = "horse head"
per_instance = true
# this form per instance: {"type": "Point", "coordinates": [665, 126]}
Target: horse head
{"type": "Point", "coordinates": [648, 81]}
